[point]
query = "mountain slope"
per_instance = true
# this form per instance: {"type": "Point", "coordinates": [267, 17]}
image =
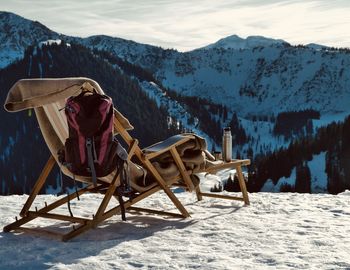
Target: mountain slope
{"type": "Point", "coordinates": [247, 75]}
{"type": "Point", "coordinates": [16, 34]}
{"type": "Point", "coordinates": [250, 80]}
{"type": "Point", "coordinates": [235, 42]}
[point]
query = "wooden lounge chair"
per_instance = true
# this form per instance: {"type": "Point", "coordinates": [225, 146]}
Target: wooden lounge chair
{"type": "Point", "coordinates": [54, 128]}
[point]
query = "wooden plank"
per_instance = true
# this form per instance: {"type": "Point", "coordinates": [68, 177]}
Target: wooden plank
{"type": "Point", "coordinates": [111, 190]}
{"type": "Point", "coordinates": [153, 211]}
{"type": "Point", "coordinates": [130, 202]}
{"type": "Point", "coordinates": [199, 193]}
{"type": "Point", "coordinates": [64, 200]}
{"type": "Point", "coordinates": [15, 225]}
{"type": "Point", "coordinates": [242, 185]}
{"type": "Point", "coordinates": [227, 197]}
{"type": "Point", "coordinates": [234, 164]}
{"type": "Point", "coordinates": [132, 148]}
{"type": "Point", "coordinates": [153, 154]}
{"type": "Point", "coordinates": [186, 177]}
{"type": "Point", "coordinates": [38, 185]}
{"type": "Point", "coordinates": [58, 217]}
{"type": "Point", "coordinates": [166, 189]}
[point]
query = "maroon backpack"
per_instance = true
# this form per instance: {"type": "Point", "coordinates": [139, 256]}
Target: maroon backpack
{"type": "Point", "coordinates": [91, 149]}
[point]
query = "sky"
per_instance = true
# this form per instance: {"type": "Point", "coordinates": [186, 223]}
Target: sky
{"type": "Point", "coordinates": [186, 25]}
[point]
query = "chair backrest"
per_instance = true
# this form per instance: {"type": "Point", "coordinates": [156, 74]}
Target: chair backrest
{"type": "Point", "coordinates": [57, 119]}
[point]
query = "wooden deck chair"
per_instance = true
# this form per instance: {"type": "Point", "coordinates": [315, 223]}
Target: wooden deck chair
{"type": "Point", "coordinates": [55, 131]}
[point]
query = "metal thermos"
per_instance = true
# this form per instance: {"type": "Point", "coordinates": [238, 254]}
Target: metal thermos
{"type": "Point", "coordinates": [227, 145]}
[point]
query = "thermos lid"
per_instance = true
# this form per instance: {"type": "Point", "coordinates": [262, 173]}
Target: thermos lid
{"type": "Point", "coordinates": [227, 129]}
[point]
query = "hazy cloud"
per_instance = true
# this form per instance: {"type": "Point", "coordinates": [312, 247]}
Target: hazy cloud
{"type": "Point", "coordinates": [187, 25]}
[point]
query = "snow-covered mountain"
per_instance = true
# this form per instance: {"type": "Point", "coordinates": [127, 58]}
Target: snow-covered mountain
{"type": "Point", "coordinates": [246, 75]}
{"type": "Point", "coordinates": [249, 75]}
{"type": "Point", "coordinates": [17, 33]}
{"type": "Point", "coordinates": [236, 42]}
{"type": "Point", "coordinates": [264, 79]}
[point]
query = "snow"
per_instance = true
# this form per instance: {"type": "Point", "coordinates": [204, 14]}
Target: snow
{"type": "Point", "coordinates": [52, 42]}
{"type": "Point", "coordinates": [236, 42]}
{"type": "Point", "coordinates": [175, 110]}
{"type": "Point", "coordinates": [277, 231]}
{"type": "Point", "coordinates": [270, 187]}
{"type": "Point", "coordinates": [318, 173]}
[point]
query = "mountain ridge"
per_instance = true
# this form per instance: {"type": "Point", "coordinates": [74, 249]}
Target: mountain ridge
{"type": "Point", "coordinates": [236, 42]}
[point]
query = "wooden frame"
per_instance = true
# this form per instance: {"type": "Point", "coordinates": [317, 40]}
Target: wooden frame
{"type": "Point", "coordinates": [101, 214]}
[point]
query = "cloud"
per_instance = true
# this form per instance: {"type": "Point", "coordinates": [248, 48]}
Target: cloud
{"type": "Point", "coordinates": [187, 25]}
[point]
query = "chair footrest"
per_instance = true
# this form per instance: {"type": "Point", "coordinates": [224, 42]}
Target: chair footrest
{"type": "Point", "coordinates": [152, 211]}
{"type": "Point", "coordinates": [213, 195]}
{"type": "Point", "coordinates": [59, 217]}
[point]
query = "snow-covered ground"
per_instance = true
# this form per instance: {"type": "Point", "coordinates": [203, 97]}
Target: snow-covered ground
{"type": "Point", "coordinates": [277, 231]}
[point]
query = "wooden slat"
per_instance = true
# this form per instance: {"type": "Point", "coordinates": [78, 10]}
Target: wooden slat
{"type": "Point", "coordinates": [58, 217]}
{"type": "Point", "coordinates": [132, 148]}
{"type": "Point", "coordinates": [242, 185]}
{"type": "Point", "coordinates": [15, 225]}
{"type": "Point", "coordinates": [153, 211]}
{"type": "Point", "coordinates": [199, 193]}
{"type": "Point", "coordinates": [228, 165]}
{"type": "Point", "coordinates": [107, 197]}
{"type": "Point", "coordinates": [166, 189]}
{"type": "Point", "coordinates": [151, 155]}
{"type": "Point", "coordinates": [213, 195]}
{"type": "Point", "coordinates": [64, 200]}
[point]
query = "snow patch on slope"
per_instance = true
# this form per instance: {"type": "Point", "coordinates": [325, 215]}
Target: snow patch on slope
{"type": "Point", "coordinates": [175, 110]}
{"type": "Point", "coordinates": [236, 42]}
{"type": "Point", "coordinates": [318, 173]}
{"type": "Point", "coordinates": [317, 168]}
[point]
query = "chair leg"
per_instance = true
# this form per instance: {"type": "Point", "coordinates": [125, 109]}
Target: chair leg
{"type": "Point", "coordinates": [242, 185]}
{"type": "Point", "coordinates": [186, 177]}
{"type": "Point", "coordinates": [38, 185]}
{"type": "Point", "coordinates": [199, 193]}
{"type": "Point", "coordinates": [106, 199]}
{"type": "Point", "coordinates": [237, 164]}
{"type": "Point", "coordinates": [166, 189]}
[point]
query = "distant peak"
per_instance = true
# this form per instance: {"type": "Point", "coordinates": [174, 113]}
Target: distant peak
{"type": "Point", "coordinates": [236, 42]}
{"type": "Point", "coordinates": [316, 46]}
{"type": "Point", "coordinates": [4, 15]}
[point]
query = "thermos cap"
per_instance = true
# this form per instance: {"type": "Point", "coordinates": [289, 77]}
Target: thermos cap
{"type": "Point", "coordinates": [227, 129]}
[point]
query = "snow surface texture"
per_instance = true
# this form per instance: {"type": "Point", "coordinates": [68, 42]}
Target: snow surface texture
{"type": "Point", "coordinates": [277, 231]}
